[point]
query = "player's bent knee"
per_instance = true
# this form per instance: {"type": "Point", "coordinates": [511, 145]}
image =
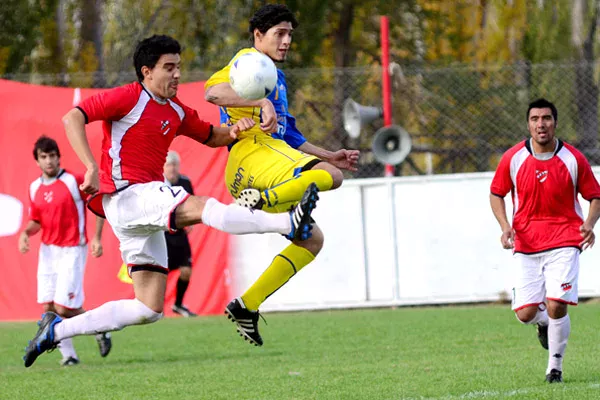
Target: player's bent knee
{"type": "Point", "coordinates": [526, 315]}
{"type": "Point", "coordinates": [336, 174]}
{"type": "Point", "coordinates": [315, 243]}
{"type": "Point", "coordinates": [190, 211]}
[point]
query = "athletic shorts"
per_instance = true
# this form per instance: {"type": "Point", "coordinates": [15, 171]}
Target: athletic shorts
{"type": "Point", "coordinates": [60, 275]}
{"type": "Point", "coordinates": [139, 215]}
{"type": "Point", "coordinates": [179, 255]}
{"type": "Point", "coordinates": [262, 162]}
{"type": "Point", "coordinates": [549, 275]}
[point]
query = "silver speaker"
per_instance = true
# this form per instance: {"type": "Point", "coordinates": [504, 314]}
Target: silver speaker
{"type": "Point", "coordinates": [356, 115]}
{"type": "Point", "coordinates": [391, 145]}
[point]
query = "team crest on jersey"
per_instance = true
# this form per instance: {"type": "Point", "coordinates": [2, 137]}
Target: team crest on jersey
{"type": "Point", "coordinates": [566, 286]}
{"type": "Point", "coordinates": [541, 175]}
{"type": "Point", "coordinates": [48, 196]}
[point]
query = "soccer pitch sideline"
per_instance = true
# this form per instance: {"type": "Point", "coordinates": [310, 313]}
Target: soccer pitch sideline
{"type": "Point", "coordinates": [463, 352]}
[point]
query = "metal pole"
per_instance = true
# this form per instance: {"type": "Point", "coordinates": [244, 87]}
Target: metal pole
{"type": "Point", "coordinates": [386, 82]}
{"type": "Point", "coordinates": [363, 220]}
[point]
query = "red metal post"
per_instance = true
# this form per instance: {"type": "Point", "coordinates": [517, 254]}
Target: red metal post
{"type": "Point", "coordinates": [387, 87]}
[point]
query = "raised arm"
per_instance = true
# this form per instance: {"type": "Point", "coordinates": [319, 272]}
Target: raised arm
{"type": "Point", "coordinates": [74, 123]}
{"type": "Point", "coordinates": [343, 159]}
{"type": "Point", "coordinates": [222, 95]}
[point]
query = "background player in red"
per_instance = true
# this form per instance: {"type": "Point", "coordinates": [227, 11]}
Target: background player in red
{"type": "Point", "coordinates": [544, 176]}
{"type": "Point", "coordinates": [57, 209]}
{"type": "Point", "coordinates": [140, 120]}
{"type": "Point", "coordinates": [179, 251]}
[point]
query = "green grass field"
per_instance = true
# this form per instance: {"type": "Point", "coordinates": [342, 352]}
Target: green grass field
{"type": "Point", "coordinates": [466, 352]}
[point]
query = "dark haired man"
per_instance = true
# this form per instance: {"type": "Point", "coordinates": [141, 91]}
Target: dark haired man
{"type": "Point", "coordinates": [140, 120]}
{"type": "Point", "coordinates": [271, 164]}
{"type": "Point", "coordinates": [544, 175]}
{"type": "Point", "coordinates": [56, 208]}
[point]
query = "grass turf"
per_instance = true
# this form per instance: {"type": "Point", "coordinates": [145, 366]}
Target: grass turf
{"type": "Point", "coordinates": [466, 352]}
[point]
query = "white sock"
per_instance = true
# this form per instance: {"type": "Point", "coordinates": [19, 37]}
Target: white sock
{"type": "Point", "coordinates": [558, 335]}
{"type": "Point", "coordinates": [111, 316]}
{"type": "Point", "coordinates": [67, 349]}
{"type": "Point", "coordinates": [240, 220]}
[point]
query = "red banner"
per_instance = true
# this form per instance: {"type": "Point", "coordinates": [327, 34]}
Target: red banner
{"type": "Point", "coordinates": [29, 111]}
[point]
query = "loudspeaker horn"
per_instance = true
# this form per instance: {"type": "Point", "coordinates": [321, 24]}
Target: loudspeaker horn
{"type": "Point", "coordinates": [356, 115]}
{"type": "Point", "coordinates": [391, 144]}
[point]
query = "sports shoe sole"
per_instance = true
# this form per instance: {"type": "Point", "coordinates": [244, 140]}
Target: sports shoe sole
{"type": "Point", "coordinates": [240, 329]}
{"type": "Point", "coordinates": [250, 198]}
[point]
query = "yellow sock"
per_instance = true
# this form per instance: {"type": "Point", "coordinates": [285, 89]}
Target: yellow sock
{"type": "Point", "coordinates": [285, 265]}
{"type": "Point", "coordinates": [293, 189]}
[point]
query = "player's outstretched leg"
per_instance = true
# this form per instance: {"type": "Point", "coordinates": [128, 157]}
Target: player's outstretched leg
{"type": "Point", "coordinates": [43, 339]}
{"type": "Point", "coordinates": [285, 192]}
{"type": "Point", "coordinates": [301, 222]}
{"type": "Point", "coordinates": [104, 343]}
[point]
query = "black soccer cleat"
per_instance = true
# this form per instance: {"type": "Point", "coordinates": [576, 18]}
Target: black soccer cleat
{"type": "Point", "coordinates": [69, 362]}
{"type": "Point", "coordinates": [104, 343]}
{"type": "Point", "coordinates": [183, 311]}
{"type": "Point", "coordinates": [250, 198]}
{"type": "Point", "coordinates": [555, 376]}
{"type": "Point", "coordinates": [43, 339]}
{"type": "Point", "coordinates": [302, 223]}
{"type": "Point", "coordinates": [246, 321]}
{"type": "Point", "coordinates": [542, 334]}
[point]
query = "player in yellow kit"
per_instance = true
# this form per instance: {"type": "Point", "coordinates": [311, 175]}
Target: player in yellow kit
{"type": "Point", "coordinates": [271, 165]}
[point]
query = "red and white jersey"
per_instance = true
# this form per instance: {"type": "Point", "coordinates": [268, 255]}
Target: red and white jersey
{"type": "Point", "coordinates": [546, 212]}
{"type": "Point", "coordinates": [59, 207]}
{"type": "Point", "coordinates": [138, 130]}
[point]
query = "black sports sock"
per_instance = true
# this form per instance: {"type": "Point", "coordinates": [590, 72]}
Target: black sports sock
{"type": "Point", "coordinates": [181, 289]}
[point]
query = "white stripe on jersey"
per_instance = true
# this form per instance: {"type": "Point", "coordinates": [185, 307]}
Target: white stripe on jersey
{"type": "Point", "coordinates": [118, 130]}
{"type": "Point", "coordinates": [71, 183]}
{"type": "Point", "coordinates": [570, 162]}
{"type": "Point", "coordinates": [516, 162]}
{"type": "Point", "coordinates": [33, 188]}
{"type": "Point", "coordinates": [177, 109]}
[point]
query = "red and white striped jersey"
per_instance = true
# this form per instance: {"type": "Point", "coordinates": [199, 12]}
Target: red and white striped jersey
{"type": "Point", "coordinates": [546, 212]}
{"type": "Point", "coordinates": [138, 130]}
{"type": "Point", "coordinates": [58, 205]}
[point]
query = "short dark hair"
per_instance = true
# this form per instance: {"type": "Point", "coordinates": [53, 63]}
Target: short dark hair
{"type": "Point", "coordinates": [543, 103]}
{"type": "Point", "coordinates": [148, 51]}
{"type": "Point", "coordinates": [268, 16]}
{"type": "Point", "coordinates": [45, 144]}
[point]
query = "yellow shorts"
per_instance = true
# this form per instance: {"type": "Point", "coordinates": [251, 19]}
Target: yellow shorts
{"type": "Point", "coordinates": [262, 162]}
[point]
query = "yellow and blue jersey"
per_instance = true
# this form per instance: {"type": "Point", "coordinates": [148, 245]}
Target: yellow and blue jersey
{"type": "Point", "coordinates": [286, 123]}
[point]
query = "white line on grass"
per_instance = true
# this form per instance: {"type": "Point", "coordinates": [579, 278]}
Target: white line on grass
{"type": "Point", "coordinates": [482, 394]}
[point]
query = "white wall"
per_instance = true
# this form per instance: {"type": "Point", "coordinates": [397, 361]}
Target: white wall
{"type": "Point", "coordinates": [447, 247]}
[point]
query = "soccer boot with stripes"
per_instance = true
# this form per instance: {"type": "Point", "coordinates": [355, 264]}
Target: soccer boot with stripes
{"type": "Point", "coordinates": [246, 321]}
{"type": "Point", "coordinates": [43, 339]}
{"type": "Point", "coordinates": [302, 223]}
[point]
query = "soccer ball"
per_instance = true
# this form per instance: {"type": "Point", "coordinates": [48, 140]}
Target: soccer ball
{"type": "Point", "coordinates": [253, 76]}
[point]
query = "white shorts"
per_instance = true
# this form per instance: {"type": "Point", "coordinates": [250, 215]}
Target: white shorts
{"type": "Point", "coordinates": [139, 215]}
{"type": "Point", "coordinates": [549, 275]}
{"type": "Point", "coordinates": [60, 275]}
